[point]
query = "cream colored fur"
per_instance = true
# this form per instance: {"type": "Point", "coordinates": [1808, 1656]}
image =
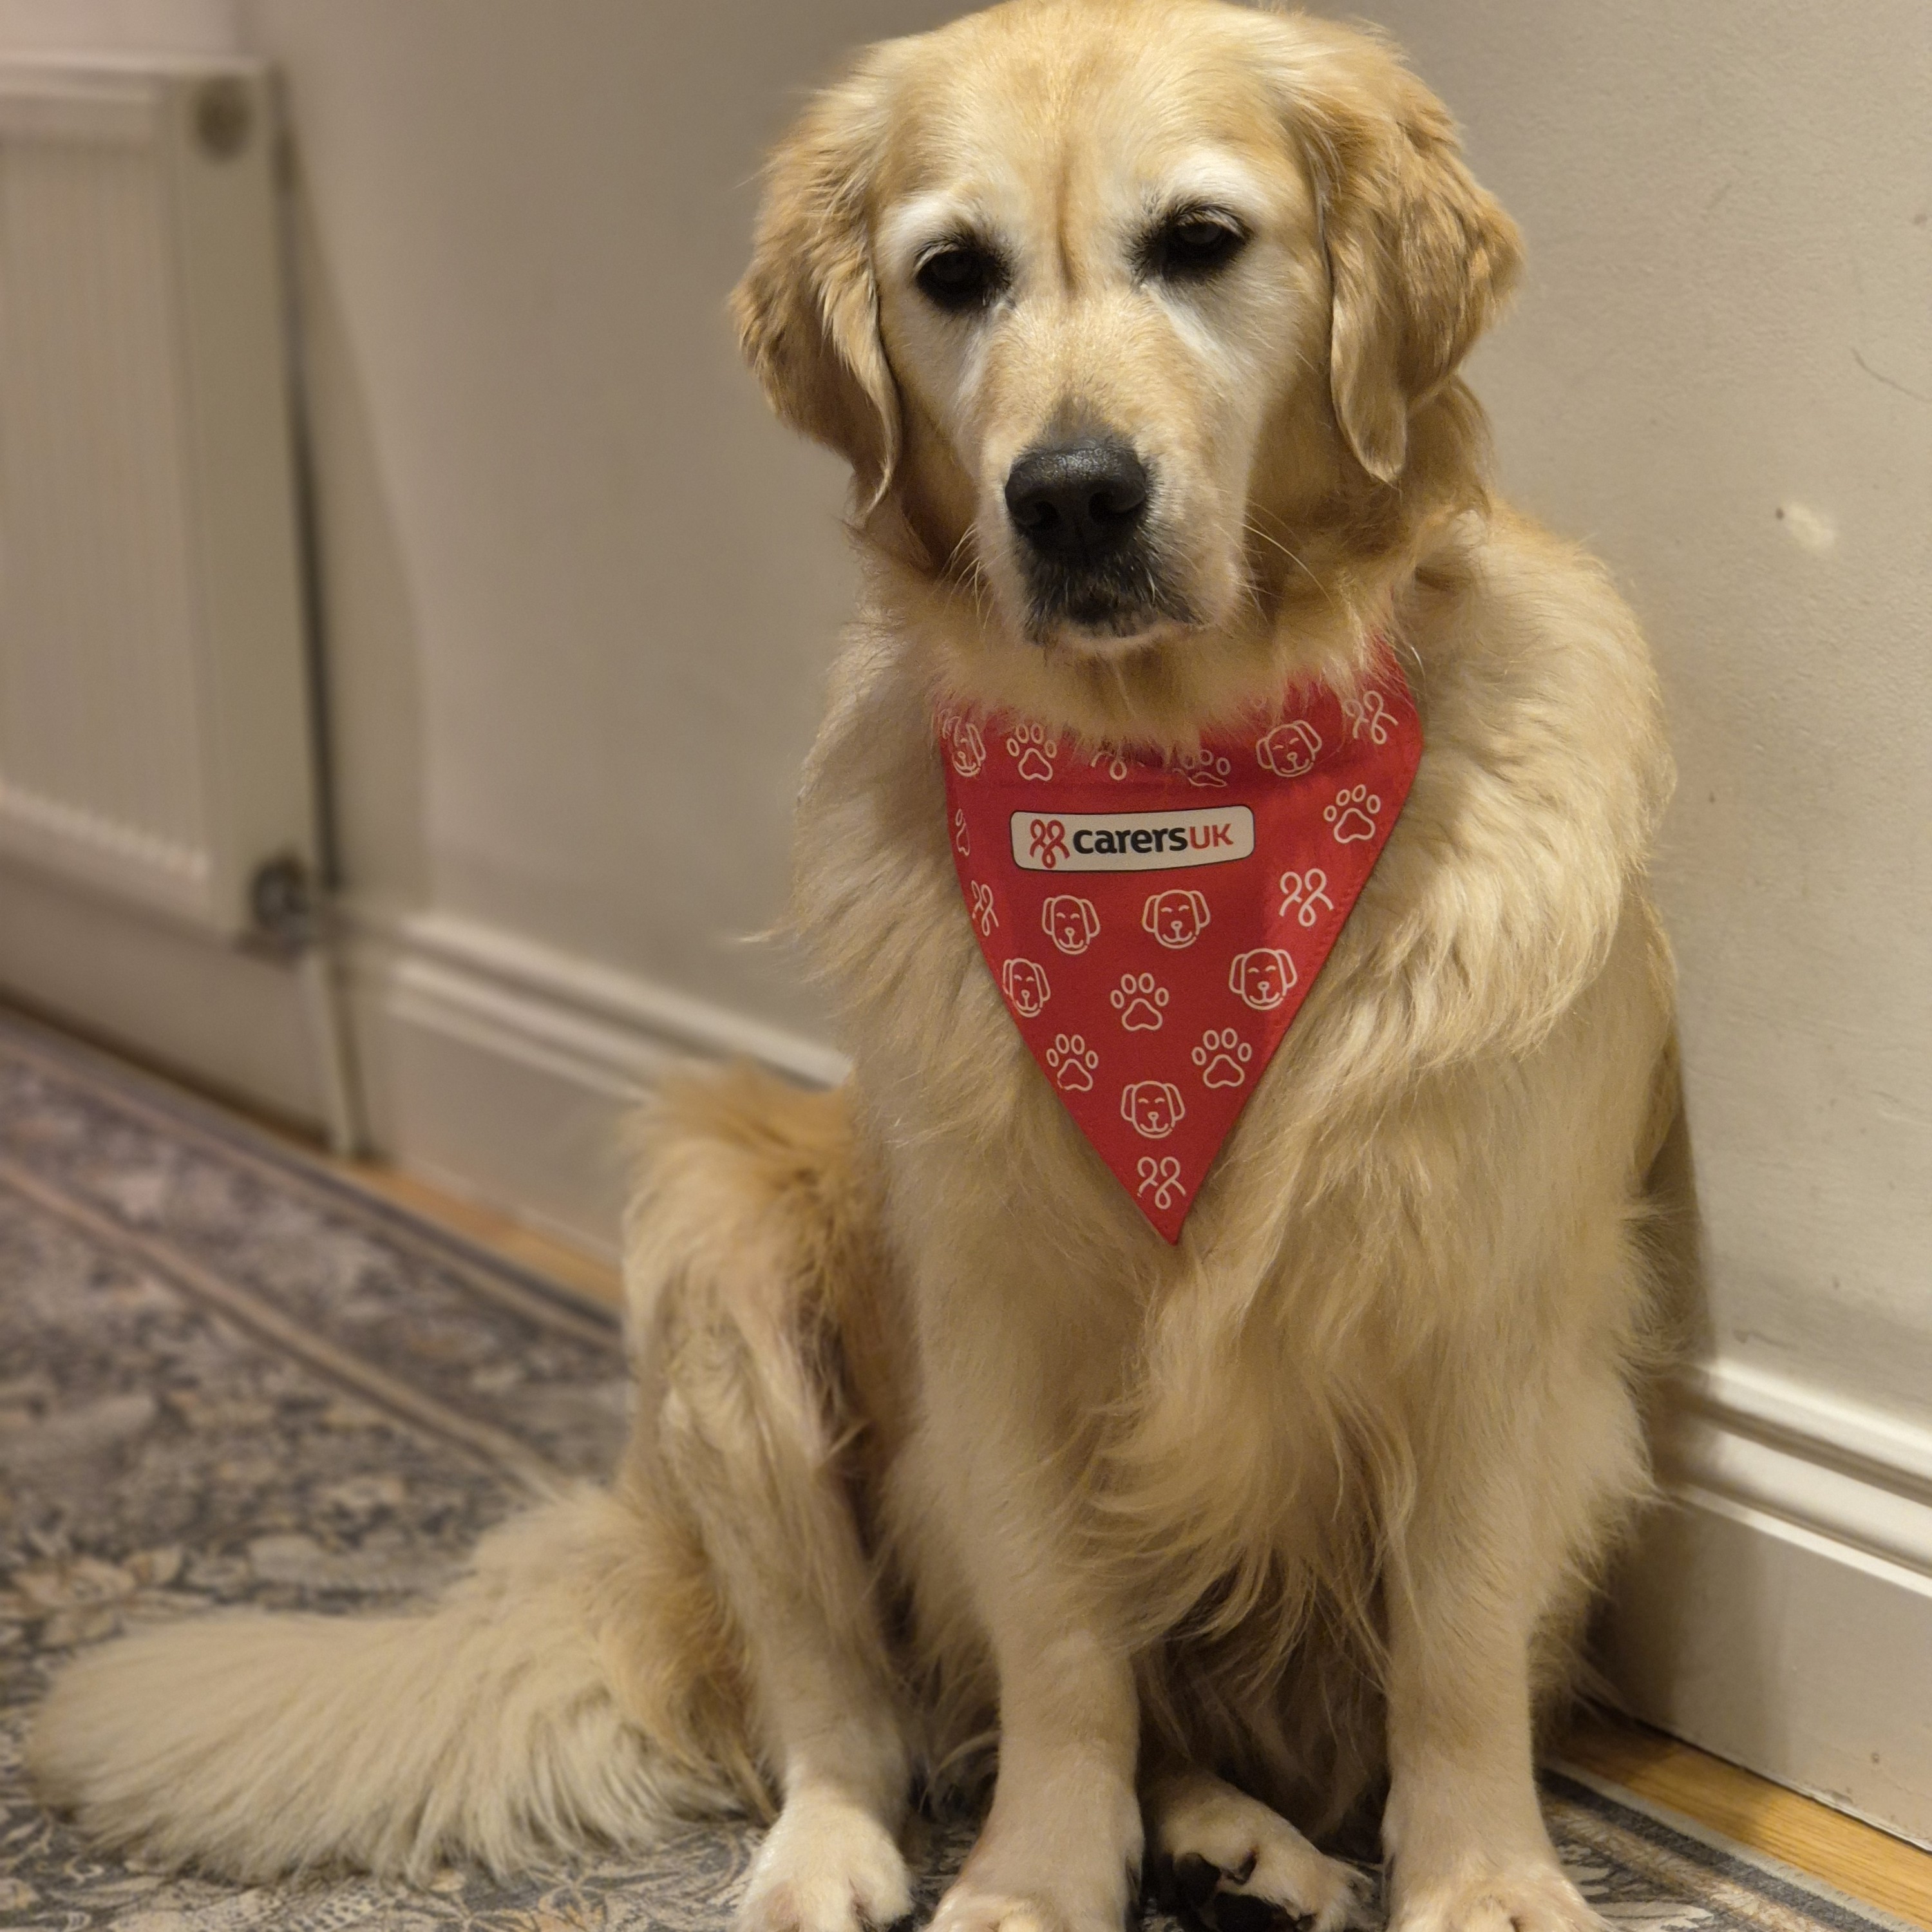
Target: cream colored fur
{"type": "Point", "coordinates": [936, 1439]}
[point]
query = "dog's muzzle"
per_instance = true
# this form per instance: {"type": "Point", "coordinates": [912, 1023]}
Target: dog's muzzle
{"type": "Point", "coordinates": [1079, 509]}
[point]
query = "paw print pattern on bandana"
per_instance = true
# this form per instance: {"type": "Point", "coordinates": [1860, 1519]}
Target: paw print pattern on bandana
{"type": "Point", "coordinates": [1154, 1108]}
{"type": "Point", "coordinates": [962, 839]}
{"type": "Point", "coordinates": [1138, 1000]}
{"type": "Point", "coordinates": [1162, 1178]}
{"type": "Point", "coordinates": [1222, 1058]}
{"type": "Point", "coordinates": [1116, 767]}
{"type": "Point", "coordinates": [1204, 768]}
{"type": "Point", "coordinates": [1368, 717]}
{"type": "Point", "coordinates": [1072, 1063]}
{"type": "Point", "coordinates": [1026, 986]}
{"type": "Point", "coordinates": [979, 905]}
{"type": "Point", "coordinates": [1353, 814]}
{"type": "Point", "coordinates": [1035, 750]}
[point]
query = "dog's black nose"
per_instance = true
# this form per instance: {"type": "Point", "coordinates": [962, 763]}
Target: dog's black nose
{"type": "Point", "coordinates": [1077, 501]}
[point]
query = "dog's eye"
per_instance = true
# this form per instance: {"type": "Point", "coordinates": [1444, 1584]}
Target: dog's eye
{"type": "Point", "coordinates": [960, 275]}
{"type": "Point", "coordinates": [1192, 246]}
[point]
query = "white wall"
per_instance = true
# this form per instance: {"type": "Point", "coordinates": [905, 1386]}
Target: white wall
{"type": "Point", "coordinates": [579, 595]}
{"type": "Point", "coordinates": [580, 589]}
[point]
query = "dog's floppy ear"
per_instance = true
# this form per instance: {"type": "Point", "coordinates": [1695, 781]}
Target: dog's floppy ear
{"type": "Point", "coordinates": [807, 310]}
{"type": "Point", "coordinates": [1419, 257]}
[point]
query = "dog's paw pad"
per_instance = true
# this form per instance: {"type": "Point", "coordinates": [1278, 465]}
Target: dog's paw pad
{"type": "Point", "coordinates": [1199, 1890]}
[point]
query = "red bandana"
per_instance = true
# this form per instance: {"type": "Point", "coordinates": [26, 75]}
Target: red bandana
{"type": "Point", "coordinates": [1155, 927]}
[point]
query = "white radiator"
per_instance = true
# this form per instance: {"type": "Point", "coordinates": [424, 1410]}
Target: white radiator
{"type": "Point", "coordinates": [154, 736]}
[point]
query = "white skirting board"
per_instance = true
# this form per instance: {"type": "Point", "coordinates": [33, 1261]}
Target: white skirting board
{"type": "Point", "coordinates": [505, 1070]}
{"type": "Point", "coordinates": [1777, 1608]}
{"type": "Point", "coordinates": [170, 990]}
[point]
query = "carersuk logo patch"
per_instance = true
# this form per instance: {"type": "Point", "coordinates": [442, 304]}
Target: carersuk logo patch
{"type": "Point", "coordinates": [1130, 842]}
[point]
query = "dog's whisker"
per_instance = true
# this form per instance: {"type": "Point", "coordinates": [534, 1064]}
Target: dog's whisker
{"type": "Point", "coordinates": [1254, 530]}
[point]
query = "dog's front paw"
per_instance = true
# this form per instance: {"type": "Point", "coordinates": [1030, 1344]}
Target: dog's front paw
{"type": "Point", "coordinates": [827, 1865]}
{"type": "Point", "coordinates": [1528, 1894]}
{"type": "Point", "coordinates": [968, 1907]}
{"type": "Point", "coordinates": [1227, 1862]}
{"type": "Point", "coordinates": [1061, 1853]}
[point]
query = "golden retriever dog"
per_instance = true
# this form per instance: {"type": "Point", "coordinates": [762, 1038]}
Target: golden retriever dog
{"type": "Point", "coordinates": [937, 1442]}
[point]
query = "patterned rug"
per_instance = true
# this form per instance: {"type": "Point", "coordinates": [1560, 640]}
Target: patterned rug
{"type": "Point", "coordinates": [228, 1376]}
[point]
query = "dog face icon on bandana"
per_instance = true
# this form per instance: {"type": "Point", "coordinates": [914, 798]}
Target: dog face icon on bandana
{"type": "Point", "coordinates": [1186, 905]}
{"type": "Point", "coordinates": [1154, 1109]}
{"type": "Point", "coordinates": [1070, 922]}
{"type": "Point", "coordinates": [1025, 986]}
{"type": "Point", "coordinates": [1174, 917]}
{"type": "Point", "coordinates": [1289, 751]}
{"type": "Point", "coordinates": [1263, 976]}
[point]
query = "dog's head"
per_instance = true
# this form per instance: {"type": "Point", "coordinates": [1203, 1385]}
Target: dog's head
{"type": "Point", "coordinates": [1108, 304]}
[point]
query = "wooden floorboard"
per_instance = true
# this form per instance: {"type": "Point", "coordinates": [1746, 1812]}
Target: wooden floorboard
{"type": "Point", "coordinates": [1858, 1858]}
{"type": "Point", "coordinates": [487, 1227]}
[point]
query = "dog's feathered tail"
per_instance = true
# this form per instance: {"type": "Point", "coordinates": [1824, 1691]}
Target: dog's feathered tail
{"type": "Point", "coordinates": [536, 1708]}
{"type": "Point", "coordinates": [588, 1681]}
